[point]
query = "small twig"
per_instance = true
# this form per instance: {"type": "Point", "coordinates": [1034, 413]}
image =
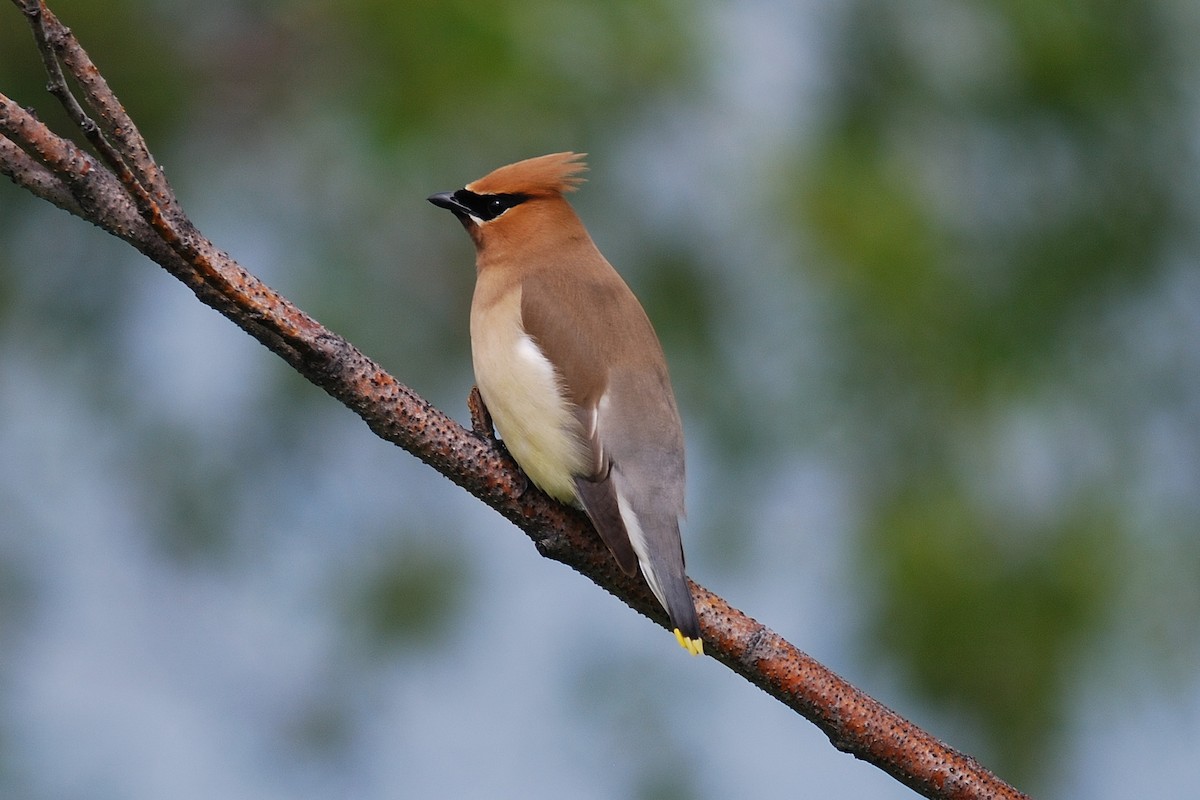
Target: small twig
{"type": "Point", "coordinates": [46, 26]}
{"type": "Point", "coordinates": [72, 168]}
{"type": "Point", "coordinates": [39, 20]}
{"type": "Point", "coordinates": [105, 203]}
{"type": "Point", "coordinates": [52, 38]}
{"type": "Point", "coordinates": [26, 172]}
{"type": "Point", "coordinates": [56, 42]}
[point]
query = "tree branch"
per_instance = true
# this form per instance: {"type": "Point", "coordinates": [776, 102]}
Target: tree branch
{"type": "Point", "coordinates": [126, 194]}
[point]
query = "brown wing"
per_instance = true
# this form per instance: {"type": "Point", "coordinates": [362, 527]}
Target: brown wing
{"type": "Point", "coordinates": [600, 502]}
{"type": "Point", "coordinates": [576, 347]}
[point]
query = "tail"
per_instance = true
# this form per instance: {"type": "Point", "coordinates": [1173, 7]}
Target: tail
{"type": "Point", "coordinates": [687, 627]}
{"type": "Point", "coordinates": [648, 540]}
{"type": "Point", "coordinates": [655, 539]}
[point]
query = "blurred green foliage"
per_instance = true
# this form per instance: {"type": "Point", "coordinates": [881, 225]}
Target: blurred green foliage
{"type": "Point", "coordinates": [515, 72]}
{"type": "Point", "coordinates": [971, 217]}
{"type": "Point", "coordinates": [990, 617]}
{"type": "Point", "coordinates": [408, 596]}
{"type": "Point", "coordinates": [993, 176]}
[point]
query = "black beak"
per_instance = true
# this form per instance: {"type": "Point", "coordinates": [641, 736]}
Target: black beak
{"type": "Point", "coordinates": [446, 200]}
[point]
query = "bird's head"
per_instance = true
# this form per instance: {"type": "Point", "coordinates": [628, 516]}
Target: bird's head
{"type": "Point", "coordinates": [517, 201]}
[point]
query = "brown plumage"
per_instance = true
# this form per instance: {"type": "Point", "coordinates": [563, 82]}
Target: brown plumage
{"type": "Point", "coordinates": [572, 372]}
{"type": "Point", "coordinates": [555, 174]}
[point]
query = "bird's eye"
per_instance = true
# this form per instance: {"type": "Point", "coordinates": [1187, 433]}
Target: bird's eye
{"type": "Point", "coordinates": [493, 205]}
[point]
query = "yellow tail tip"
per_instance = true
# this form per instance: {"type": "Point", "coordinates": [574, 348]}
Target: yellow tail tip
{"type": "Point", "coordinates": [693, 646]}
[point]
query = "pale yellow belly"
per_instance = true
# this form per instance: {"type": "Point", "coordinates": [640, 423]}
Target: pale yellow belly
{"type": "Point", "coordinates": [522, 392]}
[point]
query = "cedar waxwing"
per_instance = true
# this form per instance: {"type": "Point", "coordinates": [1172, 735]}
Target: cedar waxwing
{"type": "Point", "coordinates": [573, 374]}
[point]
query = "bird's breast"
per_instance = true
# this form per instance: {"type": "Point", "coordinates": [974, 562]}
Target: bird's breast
{"type": "Point", "coordinates": [524, 394]}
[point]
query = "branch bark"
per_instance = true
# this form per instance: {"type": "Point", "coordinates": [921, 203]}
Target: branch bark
{"type": "Point", "coordinates": [125, 193]}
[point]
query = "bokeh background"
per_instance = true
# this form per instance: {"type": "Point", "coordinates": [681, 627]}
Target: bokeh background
{"type": "Point", "coordinates": [927, 276]}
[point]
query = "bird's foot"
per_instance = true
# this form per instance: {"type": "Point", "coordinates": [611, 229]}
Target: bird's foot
{"type": "Point", "coordinates": [481, 425]}
{"type": "Point", "coordinates": [481, 418]}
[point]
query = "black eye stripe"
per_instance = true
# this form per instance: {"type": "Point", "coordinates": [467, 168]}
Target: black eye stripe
{"type": "Point", "coordinates": [488, 206]}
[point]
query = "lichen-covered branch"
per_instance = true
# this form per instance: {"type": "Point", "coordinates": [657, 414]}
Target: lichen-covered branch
{"type": "Point", "coordinates": [122, 190]}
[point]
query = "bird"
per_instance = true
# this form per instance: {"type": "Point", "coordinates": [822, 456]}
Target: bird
{"type": "Point", "coordinates": [572, 373]}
